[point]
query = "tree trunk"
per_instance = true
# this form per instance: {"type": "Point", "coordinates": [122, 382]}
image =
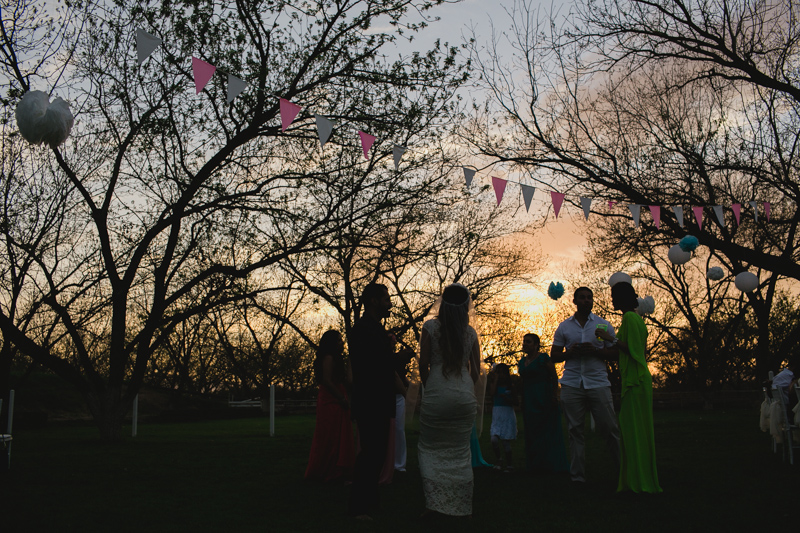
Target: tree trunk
{"type": "Point", "coordinates": [108, 412]}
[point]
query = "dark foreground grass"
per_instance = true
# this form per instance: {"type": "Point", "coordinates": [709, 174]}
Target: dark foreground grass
{"type": "Point", "coordinates": [716, 468]}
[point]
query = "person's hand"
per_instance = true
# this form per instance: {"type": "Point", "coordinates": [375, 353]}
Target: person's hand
{"type": "Point", "coordinates": [603, 334]}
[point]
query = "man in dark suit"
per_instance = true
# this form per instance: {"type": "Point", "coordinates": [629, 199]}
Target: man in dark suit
{"type": "Point", "coordinates": [372, 364]}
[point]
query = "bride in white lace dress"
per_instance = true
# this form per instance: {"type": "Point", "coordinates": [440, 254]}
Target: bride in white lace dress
{"type": "Point", "coordinates": [449, 366]}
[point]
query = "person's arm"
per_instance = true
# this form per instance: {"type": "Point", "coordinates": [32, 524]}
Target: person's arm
{"type": "Point", "coordinates": [610, 353]}
{"type": "Point", "coordinates": [399, 386]}
{"type": "Point", "coordinates": [424, 356]}
{"type": "Point", "coordinates": [552, 375]}
{"type": "Point", "coordinates": [491, 388]}
{"type": "Point", "coordinates": [557, 354]}
{"type": "Point", "coordinates": [475, 361]}
{"type": "Point", "coordinates": [328, 383]}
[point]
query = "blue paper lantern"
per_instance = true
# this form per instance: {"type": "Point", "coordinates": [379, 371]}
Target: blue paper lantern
{"type": "Point", "coordinates": [555, 291]}
{"type": "Point", "coordinates": [689, 243]}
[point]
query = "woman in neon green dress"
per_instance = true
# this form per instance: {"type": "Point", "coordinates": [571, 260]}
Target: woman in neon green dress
{"type": "Point", "coordinates": [637, 448]}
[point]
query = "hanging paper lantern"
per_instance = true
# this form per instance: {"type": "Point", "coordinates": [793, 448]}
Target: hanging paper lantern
{"type": "Point", "coordinates": [646, 305]}
{"type": "Point", "coordinates": [689, 243]}
{"type": "Point", "coordinates": [40, 121]}
{"type": "Point", "coordinates": [555, 291]}
{"type": "Point", "coordinates": [677, 255]}
{"type": "Point", "coordinates": [617, 277]}
{"type": "Point", "coordinates": [715, 273]}
{"type": "Point", "coordinates": [746, 281]}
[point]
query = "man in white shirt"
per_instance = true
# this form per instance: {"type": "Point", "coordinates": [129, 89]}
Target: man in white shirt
{"type": "Point", "coordinates": [584, 383]}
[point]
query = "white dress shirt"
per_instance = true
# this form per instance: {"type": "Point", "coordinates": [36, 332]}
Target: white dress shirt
{"type": "Point", "coordinates": [588, 369]}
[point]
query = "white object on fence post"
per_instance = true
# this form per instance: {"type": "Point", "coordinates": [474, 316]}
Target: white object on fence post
{"type": "Point", "coordinates": [272, 410]}
{"type": "Point", "coordinates": [135, 416]}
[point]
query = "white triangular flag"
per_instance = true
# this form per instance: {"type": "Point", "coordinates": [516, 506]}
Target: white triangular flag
{"type": "Point", "coordinates": [145, 44]}
{"type": "Point", "coordinates": [586, 204]}
{"type": "Point", "coordinates": [527, 195]}
{"type": "Point", "coordinates": [720, 215]}
{"type": "Point", "coordinates": [235, 87]}
{"type": "Point", "coordinates": [755, 210]}
{"type": "Point", "coordinates": [678, 210]}
{"type": "Point", "coordinates": [636, 213]}
{"type": "Point", "coordinates": [468, 175]}
{"type": "Point", "coordinates": [398, 152]}
{"type": "Point", "coordinates": [324, 129]}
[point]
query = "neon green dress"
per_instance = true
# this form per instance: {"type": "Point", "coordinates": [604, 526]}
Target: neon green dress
{"type": "Point", "coordinates": [638, 448]}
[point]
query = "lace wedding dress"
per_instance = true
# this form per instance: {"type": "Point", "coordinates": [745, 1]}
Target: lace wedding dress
{"type": "Point", "coordinates": [447, 415]}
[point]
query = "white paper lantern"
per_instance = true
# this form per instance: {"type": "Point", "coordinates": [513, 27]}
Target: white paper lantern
{"type": "Point", "coordinates": [746, 281]}
{"type": "Point", "coordinates": [678, 256]}
{"type": "Point", "coordinates": [41, 121]}
{"type": "Point", "coordinates": [646, 305]}
{"type": "Point", "coordinates": [715, 273]}
{"type": "Point", "coordinates": [619, 276]}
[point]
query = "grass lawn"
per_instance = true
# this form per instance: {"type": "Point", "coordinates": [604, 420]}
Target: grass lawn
{"type": "Point", "coordinates": [717, 470]}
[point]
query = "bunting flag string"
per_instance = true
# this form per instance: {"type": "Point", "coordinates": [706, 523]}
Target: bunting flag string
{"type": "Point", "coordinates": [203, 71]}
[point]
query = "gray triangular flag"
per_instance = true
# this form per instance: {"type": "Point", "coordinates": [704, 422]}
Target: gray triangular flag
{"type": "Point", "coordinates": [720, 215]}
{"type": "Point", "coordinates": [324, 129]}
{"type": "Point", "coordinates": [755, 210]}
{"type": "Point", "coordinates": [468, 175]}
{"type": "Point", "coordinates": [636, 213]}
{"type": "Point", "coordinates": [145, 44]}
{"type": "Point", "coordinates": [678, 210]}
{"type": "Point", "coordinates": [235, 87]}
{"type": "Point", "coordinates": [398, 152]}
{"type": "Point", "coordinates": [586, 203]}
{"type": "Point", "coordinates": [527, 195]}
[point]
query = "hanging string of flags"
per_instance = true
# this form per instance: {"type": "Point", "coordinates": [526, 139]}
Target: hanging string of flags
{"type": "Point", "coordinates": [203, 71]}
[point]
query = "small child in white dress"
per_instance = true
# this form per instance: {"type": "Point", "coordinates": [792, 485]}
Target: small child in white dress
{"type": "Point", "coordinates": [504, 420]}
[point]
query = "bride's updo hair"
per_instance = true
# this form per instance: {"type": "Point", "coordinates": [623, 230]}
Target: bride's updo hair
{"type": "Point", "coordinates": [454, 318]}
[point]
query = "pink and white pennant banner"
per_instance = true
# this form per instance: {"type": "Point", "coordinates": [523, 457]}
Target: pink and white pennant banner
{"type": "Point", "coordinates": [367, 141]}
{"type": "Point", "coordinates": [202, 73]}
{"type": "Point", "coordinates": [499, 185]}
{"type": "Point", "coordinates": [558, 199]}
{"type": "Point", "coordinates": [288, 113]}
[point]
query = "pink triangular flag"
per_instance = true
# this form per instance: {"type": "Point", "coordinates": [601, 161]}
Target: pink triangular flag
{"type": "Point", "coordinates": [367, 141]}
{"type": "Point", "coordinates": [611, 204]}
{"type": "Point", "coordinates": [558, 199]}
{"type": "Point", "coordinates": [698, 216]}
{"type": "Point", "coordinates": [499, 185]}
{"type": "Point", "coordinates": [767, 207]}
{"type": "Point", "coordinates": [737, 212]}
{"type": "Point", "coordinates": [288, 113]}
{"type": "Point", "coordinates": [202, 73]}
{"type": "Point", "coordinates": [655, 210]}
